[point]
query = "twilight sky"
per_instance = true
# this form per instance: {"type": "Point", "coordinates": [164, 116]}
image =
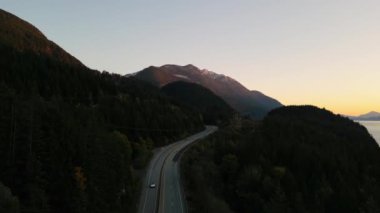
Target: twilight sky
{"type": "Point", "coordinates": [320, 52]}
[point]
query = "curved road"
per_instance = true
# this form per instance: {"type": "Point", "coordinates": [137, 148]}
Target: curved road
{"type": "Point", "coordinates": [163, 170]}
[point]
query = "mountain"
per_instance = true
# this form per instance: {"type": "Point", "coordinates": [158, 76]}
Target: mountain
{"type": "Point", "coordinates": [371, 116]}
{"type": "Point", "coordinates": [246, 102]}
{"type": "Point", "coordinates": [72, 138]}
{"type": "Point", "coordinates": [214, 110]}
{"type": "Point", "coordinates": [24, 37]}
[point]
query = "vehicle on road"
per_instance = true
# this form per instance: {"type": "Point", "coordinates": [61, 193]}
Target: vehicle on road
{"type": "Point", "coordinates": [152, 185]}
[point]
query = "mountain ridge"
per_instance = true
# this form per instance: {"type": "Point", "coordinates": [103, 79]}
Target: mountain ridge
{"type": "Point", "coordinates": [254, 104]}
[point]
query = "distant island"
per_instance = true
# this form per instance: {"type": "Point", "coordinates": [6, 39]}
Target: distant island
{"type": "Point", "coordinates": [371, 116]}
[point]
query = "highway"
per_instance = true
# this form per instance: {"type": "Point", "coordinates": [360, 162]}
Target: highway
{"type": "Point", "coordinates": [163, 170]}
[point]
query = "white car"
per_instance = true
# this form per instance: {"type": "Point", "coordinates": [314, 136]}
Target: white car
{"type": "Point", "coordinates": [152, 185]}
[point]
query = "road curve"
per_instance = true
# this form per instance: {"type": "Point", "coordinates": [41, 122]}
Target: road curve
{"type": "Point", "coordinates": [163, 170]}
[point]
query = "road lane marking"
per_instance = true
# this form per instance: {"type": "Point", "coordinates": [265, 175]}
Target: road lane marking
{"type": "Point", "coordinates": [153, 166]}
{"type": "Point", "coordinates": [148, 179]}
{"type": "Point", "coordinates": [178, 188]}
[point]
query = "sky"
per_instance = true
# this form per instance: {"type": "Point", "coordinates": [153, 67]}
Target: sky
{"type": "Point", "coordinates": [320, 52]}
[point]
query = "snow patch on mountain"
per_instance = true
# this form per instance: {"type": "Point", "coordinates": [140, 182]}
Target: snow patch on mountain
{"type": "Point", "coordinates": [213, 75]}
{"type": "Point", "coordinates": [182, 76]}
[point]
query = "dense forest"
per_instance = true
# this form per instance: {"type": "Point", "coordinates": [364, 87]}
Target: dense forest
{"type": "Point", "coordinates": [213, 108]}
{"type": "Point", "coordinates": [72, 139]}
{"type": "Point", "coordinates": [298, 159]}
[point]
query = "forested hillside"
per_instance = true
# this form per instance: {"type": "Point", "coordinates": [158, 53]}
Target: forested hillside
{"type": "Point", "coordinates": [71, 138]}
{"type": "Point", "coordinates": [299, 159]}
{"type": "Point", "coordinates": [213, 109]}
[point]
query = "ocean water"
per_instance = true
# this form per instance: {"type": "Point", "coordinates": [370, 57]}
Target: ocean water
{"type": "Point", "coordinates": [373, 128]}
